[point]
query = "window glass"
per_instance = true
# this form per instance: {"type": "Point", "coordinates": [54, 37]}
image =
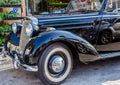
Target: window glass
{"type": "Point", "coordinates": [94, 5]}
{"type": "Point", "coordinates": [63, 6]}
{"type": "Point", "coordinates": [113, 6]}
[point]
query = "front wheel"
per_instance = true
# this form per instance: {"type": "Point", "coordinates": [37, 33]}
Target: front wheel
{"type": "Point", "coordinates": [55, 64]}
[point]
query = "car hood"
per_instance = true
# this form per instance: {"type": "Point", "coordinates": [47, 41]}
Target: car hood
{"type": "Point", "coordinates": [54, 20]}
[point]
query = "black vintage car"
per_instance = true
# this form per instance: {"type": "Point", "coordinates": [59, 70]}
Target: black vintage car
{"type": "Point", "coordinates": [50, 43]}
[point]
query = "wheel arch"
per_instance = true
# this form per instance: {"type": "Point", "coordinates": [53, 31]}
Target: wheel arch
{"type": "Point", "coordinates": [72, 41]}
{"type": "Point", "coordinates": [71, 46]}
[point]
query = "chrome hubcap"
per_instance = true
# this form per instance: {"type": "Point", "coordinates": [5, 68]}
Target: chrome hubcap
{"type": "Point", "coordinates": [57, 64]}
{"type": "Point", "coordinates": [106, 38]}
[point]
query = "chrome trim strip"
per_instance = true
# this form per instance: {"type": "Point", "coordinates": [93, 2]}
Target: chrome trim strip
{"type": "Point", "coordinates": [108, 55]}
{"type": "Point", "coordinates": [50, 20]}
{"type": "Point", "coordinates": [66, 16]}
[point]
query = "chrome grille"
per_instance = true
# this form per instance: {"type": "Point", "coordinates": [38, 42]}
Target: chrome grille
{"type": "Point", "coordinates": [24, 39]}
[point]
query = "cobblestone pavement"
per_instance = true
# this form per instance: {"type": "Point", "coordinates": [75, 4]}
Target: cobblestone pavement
{"type": "Point", "coordinates": [105, 72]}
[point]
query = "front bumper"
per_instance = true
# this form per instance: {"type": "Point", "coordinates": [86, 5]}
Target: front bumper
{"type": "Point", "coordinates": [18, 65]}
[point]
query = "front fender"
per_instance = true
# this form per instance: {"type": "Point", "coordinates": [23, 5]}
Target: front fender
{"type": "Point", "coordinates": [47, 38]}
{"type": "Point", "coordinates": [12, 38]}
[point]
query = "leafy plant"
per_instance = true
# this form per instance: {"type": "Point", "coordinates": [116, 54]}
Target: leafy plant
{"type": "Point", "coordinates": [10, 15]}
{"type": "Point", "coordinates": [7, 15]}
{"type": "Point", "coordinates": [9, 2]}
{"type": "Point", "coordinates": [2, 39]}
{"type": "Point", "coordinates": [1, 15]}
{"type": "Point", "coordinates": [15, 1]}
{"type": "Point", "coordinates": [55, 1]}
{"type": "Point", "coordinates": [58, 1]}
{"type": "Point", "coordinates": [2, 2]}
{"type": "Point", "coordinates": [3, 29]}
{"type": "Point", "coordinates": [59, 5]}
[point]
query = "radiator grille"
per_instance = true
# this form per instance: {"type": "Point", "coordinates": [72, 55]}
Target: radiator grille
{"type": "Point", "coordinates": [24, 39]}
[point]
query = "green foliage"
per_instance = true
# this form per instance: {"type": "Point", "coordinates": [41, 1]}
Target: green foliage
{"type": "Point", "coordinates": [9, 2]}
{"type": "Point", "coordinates": [3, 29]}
{"type": "Point", "coordinates": [7, 15]}
{"type": "Point", "coordinates": [59, 5]}
{"type": "Point", "coordinates": [1, 15]}
{"type": "Point", "coordinates": [2, 39]}
{"type": "Point", "coordinates": [55, 1]}
{"type": "Point", "coordinates": [2, 2]}
{"type": "Point", "coordinates": [15, 1]}
{"type": "Point", "coordinates": [10, 15]}
{"type": "Point", "coordinates": [58, 1]}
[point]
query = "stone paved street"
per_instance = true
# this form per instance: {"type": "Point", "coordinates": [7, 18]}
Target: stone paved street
{"type": "Point", "coordinates": [105, 72]}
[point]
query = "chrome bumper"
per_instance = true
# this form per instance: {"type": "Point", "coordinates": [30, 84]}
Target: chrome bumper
{"type": "Point", "coordinates": [18, 65]}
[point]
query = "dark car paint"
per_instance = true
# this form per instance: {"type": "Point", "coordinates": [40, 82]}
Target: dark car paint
{"type": "Point", "coordinates": [93, 24]}
{"type": "Point", "coordinates": [47, 38]}
{"type": "Point", "coordinates": [88, 23]}
{"type": "Point", "coordinates": [13, 39]}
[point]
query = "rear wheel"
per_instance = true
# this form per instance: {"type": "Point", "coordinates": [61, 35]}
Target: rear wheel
{"type": "Point", "coordinates": [105, 37]}
{"type": "Point", "coordinates": [55, 64]}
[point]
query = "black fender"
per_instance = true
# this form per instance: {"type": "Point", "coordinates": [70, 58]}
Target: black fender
{"type": "Point", "coordinates": [13, 39]}
{"type": "Point", "coordinates": [45, 39]}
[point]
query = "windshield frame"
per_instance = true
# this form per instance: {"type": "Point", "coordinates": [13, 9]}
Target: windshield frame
{"type": "Point", "coordinates": [103, 5]}
{"type": "Point", "coordinates": [70, 7]}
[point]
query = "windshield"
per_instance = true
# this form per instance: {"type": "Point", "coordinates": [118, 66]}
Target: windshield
{"type": "Point", "coordinates": [113, 6]}
{"type": "Point", "coordinates": [63, 6]}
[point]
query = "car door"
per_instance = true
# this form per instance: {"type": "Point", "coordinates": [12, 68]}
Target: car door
{"type": "Point", "coordinates": [87, 22]}
{"type": "Point", "coordinates": [109, 32]}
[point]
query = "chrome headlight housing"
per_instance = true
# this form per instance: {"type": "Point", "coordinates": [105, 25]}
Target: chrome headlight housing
{"type": "Point", "coordinates": [29, 30]}
{"type": "Point", "coordinates": [14, 27]}
{"type": "Point", "coordinates": [35, 27]}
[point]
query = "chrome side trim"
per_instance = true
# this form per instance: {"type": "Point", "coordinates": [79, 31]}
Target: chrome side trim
{"type": "Point", "coordinates": [90, 58]}
{"type": "Point", "coordinates": [108, 55]}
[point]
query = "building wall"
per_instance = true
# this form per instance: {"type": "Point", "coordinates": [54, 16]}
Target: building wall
{"type": "Point", "coordinates": [20, 14]}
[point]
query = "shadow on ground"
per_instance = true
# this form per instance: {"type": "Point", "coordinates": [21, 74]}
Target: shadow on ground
{"type": "Point", "coordinates": [104, 72]}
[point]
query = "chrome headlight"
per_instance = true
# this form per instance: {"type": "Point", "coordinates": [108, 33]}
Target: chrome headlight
{"type": "Point", "coordinates": [36, 27]}
{"type": "Point", "coordinates": [14, 27]}
{"type": "Point", "coordinates": [29, 30]}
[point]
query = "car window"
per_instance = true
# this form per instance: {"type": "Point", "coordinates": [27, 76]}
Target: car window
{"type": "Point", "coordinates": [113, 6]}
{"type": "Point", "coordinates": [76, 5]}
{"type": "Point", "coordinates": [62, 7]}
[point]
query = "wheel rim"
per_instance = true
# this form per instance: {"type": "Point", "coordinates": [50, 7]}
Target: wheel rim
{"type": "Point", "coordinates": [106, 38]}
{"type": "Point", "coordinates": [64, 68]}
{"type": "Point", "coordinates": [56, 64]}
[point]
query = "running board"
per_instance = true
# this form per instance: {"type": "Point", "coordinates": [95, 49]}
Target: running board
{"type": "Point", "coordinates": [108, 55]}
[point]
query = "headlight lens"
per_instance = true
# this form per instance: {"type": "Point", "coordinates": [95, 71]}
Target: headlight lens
{"type": "Point", "coordinates": [36, 27]}
{"type": "Point", "coordinates": [14, 27]}
{"type": "Point", "coordinates": [29, 30]}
